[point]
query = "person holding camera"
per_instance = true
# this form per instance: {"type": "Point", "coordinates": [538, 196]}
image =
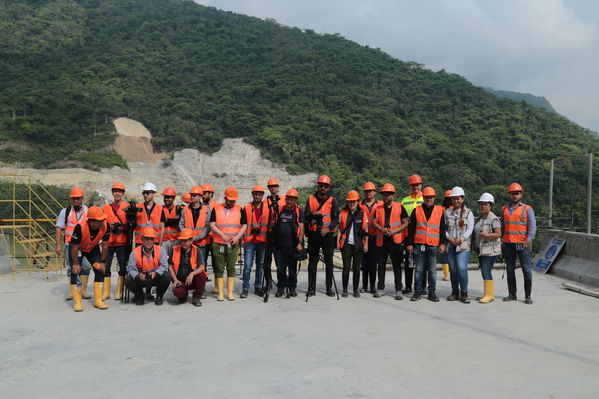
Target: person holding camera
{"type": "Point", "coordinates": [274, 203]}
{"type": "Point", "coordinates": [116, 215]}
{"type": "Point", "coordinates": [322, 216]}
{"type": "Point", "coordinates": [228, 223]}
{"type": "Point", "coordinates": [487, 243]}
{"type": "Point", "coordinates": [370, 259]}
{"type": "Point", "coordinates": [254, 240]}
{"type": "Point", "coordinates": [352, 240]}
{"type": "Point", "coordinates": [187, 269]}
{"type": "Point", "coordinates": [171, 216]}
{"type": "Point", "coordinates": [289, 228]}
{"type": "Point", "coordinates": [390, 219]}
{"type": "Point", "coordinates": [147, 267]}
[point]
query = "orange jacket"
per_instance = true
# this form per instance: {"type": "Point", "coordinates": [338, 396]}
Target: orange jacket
{"type": "Point", "coordinates": [177, 258]}
{"type": "Point", "coordinates": [428, 231]}
{"type": "Point", "coordinates": [326, 210]}
{"type": "Point", "coordinates": [171, 233]}
{"type": "Point", "coordinates": [229, 225]}
{"type": "Point", "coordinates": [142, 260]}
{"type": "Point", "coordinates": [261, 223]}
{"type": "Point", "coordinates": [118, 238]}
{"type": "Point", "coordinates": [343, 227]}
{"type": "Point", "coordinates": [199, 226]}
{"type": "Point", "coordinates": [394, 222]}
{"type": "Point", "coordinates": [515, 226]}
{"type": "Point", "coordinates": [143, 221]}
{"type": "Point", "coordinates": [87, 244]}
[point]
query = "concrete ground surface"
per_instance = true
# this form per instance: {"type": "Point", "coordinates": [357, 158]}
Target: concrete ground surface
{"type": "Point", "coordinates": [287, 348]}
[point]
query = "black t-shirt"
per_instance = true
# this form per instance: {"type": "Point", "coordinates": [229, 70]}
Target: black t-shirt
{"type": "Point", "coordinates": [174, 222]}
{"type": "Point", "coordinates": [76, 237]}
{"type": "Point", "coordinates": [286, 236]}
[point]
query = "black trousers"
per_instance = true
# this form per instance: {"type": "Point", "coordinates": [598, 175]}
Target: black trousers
{"type": "Point", "coordinates": [370, 260]}
{"type": "Point", "coordinates": [93, 256]}
{"type": "Point", "coordinates": [395, 251]}
{"type": "Point", "coordinates": [409, 271]}
{"type": "Point", "coordinates": [352, 260]}
{"type": "Point", "coordinates": [286, 261]}
{"type": "Point", "coordinates": [315, 243]}
{"type": "Point", "coordinates": [121, 259]}
{"type": "Point", "coordinates": [161, 282]}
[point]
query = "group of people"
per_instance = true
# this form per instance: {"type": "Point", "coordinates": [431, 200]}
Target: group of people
{"type": "Point", "coordinates": [168, 245]}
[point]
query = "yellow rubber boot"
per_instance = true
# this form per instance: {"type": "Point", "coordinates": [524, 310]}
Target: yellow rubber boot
{"type": "Point", "coordinates": [220, 287]}
{"type": "Point", "coordinates": [445, 272]}
{"type": "Point", "coordinates": [84, 280]}
{"type": "Point", "coordinates": [98, 297]}
{"type": "Point", "coordinates": [230, 287]}
{"type": "Point", "coordinates": [489, 292]}
{"type": "Point", "coordinates": [76, 295]}
{"type": "Point", "coordinates": [120, 283]}
{"type": "Point", "coordinates": [106, 288]}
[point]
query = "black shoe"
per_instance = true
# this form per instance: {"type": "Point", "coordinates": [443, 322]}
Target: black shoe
{"type": "Point", "coordinates": [433, 297]}
{"type": "Point", "coordinates": [259, 292]}
{"type": "Point", "coordinates": [195, 301]}
{"type": "Point", "coordinates": [415, 297]}
{"type": "Point", "coordinates": [379, 293]}
{"type": "Point", "coordinates": [356, 294]}
{"type": "Point", "coordinates": [464, 297]}
{"type": "Point", "coordinates": [510, 298]}
{"type": "Point", "coordinates": [398, 296]}
{"type": "Point", "coordinates": [149, 296]}
{"type": "Point", "coordinates": [293, 293]}
{"type": "Point", "coordinates": [244, 294]}
{"type": "Point", "coordinates": [311, 293]}
{"type": "Point", "coordinates": [407, 291]}
{"type": "Point", "coordinates": [424, 292]}
{"type": "Point", "coordinates": [362, 290]}
{"type": "Point", "coordinates": [158, 301]}
{"type": "Point", "coordinates": [330, 292]}
{"type": "Point", "coordinates": [455, 295]}
{"type": "Point", "coordinates": [344, 294]}
{"type": "Point", "coordinates": [183, 299]}
{"type": "Point", "coordinates": [203, 296]}
{"type": "Point", "coordinates": [372, 291]}
{"type": "Point", "coordinates": [279, 294]}
{"type": "Point", "coordinates": [528, 300]}
{"type": "Point", "coordinates": [139, 299]}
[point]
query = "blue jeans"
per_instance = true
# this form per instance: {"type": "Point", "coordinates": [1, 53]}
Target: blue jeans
{"type": "Point", "coordinates": [426, 259]}
{"type": "Point", "coordinates": [486, 266]}
{"type": "Point", "coordinates": [253, 250]}
{"type": "Point", "coordinates": [458, 268]}
{"type": "Point", "coordinates": [119, 251]}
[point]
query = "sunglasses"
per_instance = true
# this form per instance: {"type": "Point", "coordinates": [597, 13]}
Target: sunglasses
{"type": "Point", "coordinates": [429, 197]}
{"type": "Point", "coordinates": [169, 196]}
{"type": "Point", "coordinates": [76, 198]}
{"type": "Point", "coordinates": [148, 192]}
{"type": "Point", "coordinates": [323, 186]}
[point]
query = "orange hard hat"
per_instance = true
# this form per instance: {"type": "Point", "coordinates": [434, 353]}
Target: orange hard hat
{"type": "Point", "coordinates": [118, 186]}
{"type": "Point", "coordinates": [272, 182]}
{"type": "Point", "coordinates": [76, 192]}
{"type": "Point", "coordinates": [231, 193]}
{"type": "Point", "coordinates": [414, 179]}
{"type": "Point", "coordinates": [430, 192]}
{"type": "Point", "coordinates": [352, 196]}
{"type": "Point", "coordinates": [292, 193]}
{"type": "Point", "coordinates": [208, 187]}
{"type": "Point", "coordinates": [514, 187]}
{"type": "Point", "coordinates": [186, 197]}
{"type": "Point", "coordinates": [447, 194]}
{"type": "Point", "coordinates": [388, 188]}
{"type": "Point", "coordinates": [324, 179]}
{"type": "Point", "coordinates": [186, 234]}
{"type": "Point", "coordinates": [258, 189]}
{"type": "Point", "coordinates": [169, 191]}
{"type": "Point", "coordinates": [368, 186]}
{"type": "Point", "coordinates": [95, 213]}
{"type": "Point", "coordinates": [195, 190]}
{"type": "Point", "coordinates": [148, 232]}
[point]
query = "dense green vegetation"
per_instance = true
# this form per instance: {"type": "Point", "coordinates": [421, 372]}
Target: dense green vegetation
{"type": "Point", "coordinates": [194, 75]}
{"type": "Point", "coordinates": [531, 99]}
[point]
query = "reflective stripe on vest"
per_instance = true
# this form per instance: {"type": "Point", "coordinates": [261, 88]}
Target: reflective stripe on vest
{"type": "Point", "coordinates": [199, 226]}
{"type": "Point", "coordinates": [427, 231]}
{"type": "Point", "coordinates": [394, 222]}
{"type": "Point", "coordinates": [228, 224]}
{"type": "Point", "coordinates": [171, 233]}
{"type": "Point", "coordinates": [410, 203]}
{"type": "Point", "coordinates": [193, 259]}
{"type": "Point", "coordinates": [345, 230]}
{"type": "Point", "coordinates": [370, 213]}
{"type": "Point", "coordinates": [143, 221]}
{"type": "Point", "coordinates": [72, 221]}
{"type": "Point", "coordinates": [119, 238]}
{"type": "Point", "coordinates": [515, 226]}
{"type": "Point", "coordinates": [87, 244]}
{"type": "Point", "coordinates": [326, 210]}
{"type": "Point", "coordinates": [142, 262]}
{"type": "Point", "coordinates": [262, 224]}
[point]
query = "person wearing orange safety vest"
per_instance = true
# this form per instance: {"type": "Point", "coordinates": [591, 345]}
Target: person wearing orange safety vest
{"type": "Point", "coordinates": [274, 203]}
{"type": "Point", "coordinates": [117, 245]}
{"type": "Point", "coordinates": [196, 216]}
{"type": "Point", "coordinates": [255, 239]}
{"type": "Point", "coordinates": [209, 203]}
{"type": "Point", "coordinates": [322, 216]}
{"type": "Point", "coordinates": [147, 267]}
{"type": "Point", "coordinates": [390, 221]}
{"type": "Point", "coordinates": [86, 238]}
{"type": "Point", "coordinates": [519, 227]}
{"type": "Point", "coordinates": [171, 216]}
{"type": "Point", "coordinates": [187, 269]}
{"type": "Point", "coordinates": [426, 238]}
{"type": "Point", "coordinates": [228, 223]}
{"type": "Point", "coordinates": [370, 259]}
{"type": "Point", "coordinates": [66, 222]}
{"type": "Point", "coordinates": [352, 240]}
{"type": "Point", "coordinates": [410, 202]}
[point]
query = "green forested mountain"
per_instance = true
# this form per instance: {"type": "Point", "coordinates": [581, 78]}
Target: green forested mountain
{"type": "Point", "coordinates": [528, 98]}
{"type": "Point", "coordinates": [194, 75]}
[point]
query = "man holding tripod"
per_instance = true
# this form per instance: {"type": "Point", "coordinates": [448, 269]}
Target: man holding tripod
{"type": "Point", "coordinates": [274, 203]}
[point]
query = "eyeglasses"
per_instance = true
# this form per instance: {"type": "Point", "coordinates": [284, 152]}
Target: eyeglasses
{"type": "Point", "coordinates": [169, 197]}
{"type": "Point", "coordinates": [147, 192]}
{"type": "Point", "coordinates": [323, 186]}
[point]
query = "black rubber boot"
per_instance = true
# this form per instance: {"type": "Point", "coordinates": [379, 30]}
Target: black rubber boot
{"type": "Point", "coordinates": [455, 295]}
{"type": "Point", "coordinates": [345, 281]}
{"type": "Point", "coordinates": [464, 297]}
{"type": "Point", "coordinates": [527, 292]}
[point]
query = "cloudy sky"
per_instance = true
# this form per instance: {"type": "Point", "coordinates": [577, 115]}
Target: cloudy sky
{"type": "Point", "coordinates": [549, 48]}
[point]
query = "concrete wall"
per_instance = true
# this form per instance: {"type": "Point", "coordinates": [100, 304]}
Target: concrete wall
{"type": "Point", "coordinates": [579, 259]}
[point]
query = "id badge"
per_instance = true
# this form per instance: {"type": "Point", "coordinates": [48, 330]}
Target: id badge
{"type": "Point", "coordinates": [423, 248]}
{"type": "Point", "coordinates": [222, 249]}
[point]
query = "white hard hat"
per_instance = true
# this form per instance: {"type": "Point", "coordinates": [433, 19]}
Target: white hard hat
{"type": "Point", "coordinates": [486, 197]}
{"type": "Point", "coordinates": [457, 192]}
{"type": "Point", "coordinates": [149, 187]}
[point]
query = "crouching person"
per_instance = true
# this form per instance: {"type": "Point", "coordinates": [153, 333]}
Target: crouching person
{"type": "Point", "coordinates": [147, 267]}
{"type": "Point", "coordinates": [187, 269]}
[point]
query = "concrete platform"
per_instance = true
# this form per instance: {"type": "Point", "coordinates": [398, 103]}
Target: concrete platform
{"type": "Point", "coordinates": [361, 348]}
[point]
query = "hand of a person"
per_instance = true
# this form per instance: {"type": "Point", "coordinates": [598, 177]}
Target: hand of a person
{"type": "Point", "coordinates": [324, 231]}
{"type": "Point", "coordinates": [365, 247]}
{"type": "Point", "coordinates": [76, 268]}
{"type": "Point", "coordinates": [177, 283]}
{"type": "Point", "coordinates": [410, 248]}
{"type": "Point", "coordinates": [58, 249]}
{"type": "Point", "coordinates": [442, 248]}
{"type": "Point", "coordinates": [235, 241]}
{"type": "Point", "coordinates": [299, 246]}
{"type": "Point", "coordinates": [526, 244]}
{"type": "Point", "coordinates": [142, 276]}
{"type": "Point", "coordinates": [153, 275]}
{"type": "Point", "coordinates": [189, 280]}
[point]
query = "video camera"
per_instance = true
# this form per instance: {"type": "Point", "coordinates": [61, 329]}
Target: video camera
{"type": "Point", "coordinates": [255, 231]}
{"type": "Point", "coordinates": [274, 201]}
{"type": "Point", "coordinates": [131, 212]}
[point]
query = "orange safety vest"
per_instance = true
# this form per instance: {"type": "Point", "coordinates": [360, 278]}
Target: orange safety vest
{"type": "Point", "coordinates": [171, 233]}
{"type": "Point", "coordinates": [229, 224]}
{"type": "Point", "coordinates": [87, 244]}
{"type": "Point", "coordinates": [326, 210]}
{"type": "Point", "coordinates": [142, 260]}
{"type": "Point", "coordinates": [370, 213]}
{"type": "Point", "coordinates": [200, 225]}
{"type": "Point", "coordinates": [515, 226]}
{"type": "Point", "coordinates": [428, 231]}
{"type": "Point", "coordinates": [261, 223]}
{"type": "Point", "coordinates": [143, 221]}
{"type": "Point", "coordinates": [394, 222]}
{"type": "Point", "coordinates": [120, 237]}
{"type": "Point", "coordinates": [177, 258]}
{"type": "Point", "coordinates": [344, 229]}
{"type": "Point", "coordinates": [72, 221]}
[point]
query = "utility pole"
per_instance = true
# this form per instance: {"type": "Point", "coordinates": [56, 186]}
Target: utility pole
{"type": "Point", "coordinates": [551, 192]}
{"type": "Point", "coordinates": [590, 195]}
{"type": "Point", "coordinates": [14, 114]}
